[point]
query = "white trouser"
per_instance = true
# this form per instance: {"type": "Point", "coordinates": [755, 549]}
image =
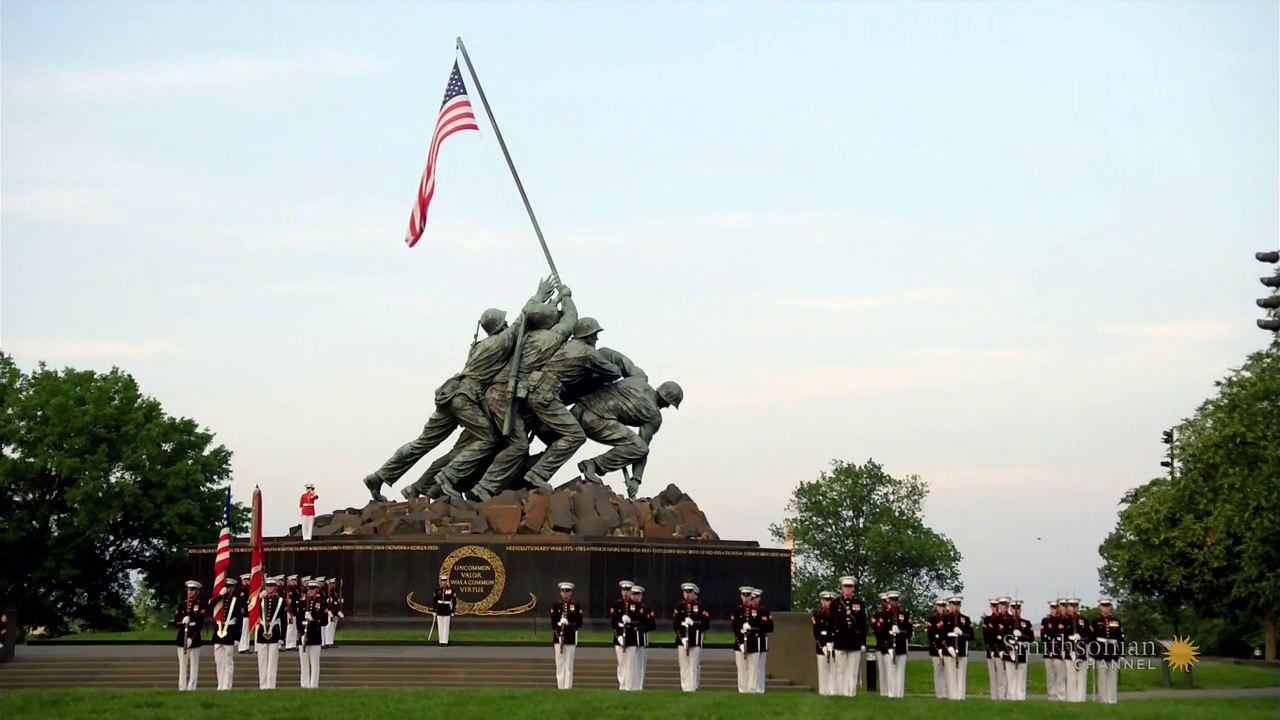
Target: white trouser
{"type": "Point", "coordinates": [309, 665]}
{"type": "Point", "coordinates": [995, 676]}
{"type": "Point", "coordinates": [188, 668]}
{"type": "Point", "coordinates": [630, 658]}
{"type": "Point", "coordinates": [1059, 691]}
{"type": "Point", "coordinates": [268, 659]}
{"type": "Point", "coordinates": [224, 661]}
{"type": "Point", "coordinates": [1015, 680]}
{"type": "Point", "coordinates": [622, 665]}
{"type": "Point", "coordinates": [825, 671]}
{"type": "Point", "coordinates": [895, 674]}
{"type": "Point", "coordinates": [751, 668]}
{"type": "Point", "coordinates": [331, 631]}
{"type": "Point", "coordinates": [882, 662]}
{"type": "Point", "coordinates": [1050, 678]}
{"type": "Point", "coordinates": [848, 669]}
{"type": "Point", "coordinates": [245, 636]}
{"type": "Point", "coordinates": [1077, 680]}
{"type": "Point", "coordinates": [740, 662]}
{"type": "Point", "coordinates": [690, 667]}
{"type": "Point", "coordinates": [639, 663]}
{"type": "Point", "coordinates": [304, 667]}
{"type": "Point", "coordinates": [564, 665]}
{"type": "Point", "coordinates": [939, 677]}
{"type": "Point", "coordinates": [1107, 681]}
{"type": "Point", "coordinates": [291, 636]}
{"type": "Point", "coordinates": [442, 624]}
{"type": "Point", "coordinates": [957, 682]}
{"type": "Point", "coordinates": [308, 522]}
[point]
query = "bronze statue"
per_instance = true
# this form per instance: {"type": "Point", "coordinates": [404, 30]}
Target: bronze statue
{"type": "Point", "coordinates": [458, 400]}
{"type": "Point", "coordinates": [605, 416]}
{"type": "Point", "coordinates": [533, 371]}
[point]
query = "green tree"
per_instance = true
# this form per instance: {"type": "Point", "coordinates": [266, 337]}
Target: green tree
{"type": "Point", "coordinates": [97, 481]}
{"type": "Point", "coordinates": [858, 520]}
{"type": "Point", "coordinates": [1209, 539]}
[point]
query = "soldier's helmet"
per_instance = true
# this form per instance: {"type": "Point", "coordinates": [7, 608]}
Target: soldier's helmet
{"type": "Point", "coordinates": [672, 393]}
{"type": "Point", "coordinates": [491, 320]}
{"type": "Point", "coordinates": [542, 316]}
{"type": "Point", "coordinates": [586, 326]}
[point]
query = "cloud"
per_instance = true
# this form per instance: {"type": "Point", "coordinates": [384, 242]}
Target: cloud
{"type": "Point", "coordinates": [91, 349]}
{"type": "Point", "coordinates": [225, 71]}
{"type": "Point", "coordinates": [63, 206]}
{"type": "Point", "coordinates": [988, 477]}
{"type": "Point", "coordinates": [1185, 330]}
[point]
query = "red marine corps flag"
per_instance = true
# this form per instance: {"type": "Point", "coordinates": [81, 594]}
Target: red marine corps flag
{"type": "Point", "coordinates": [255, 539]}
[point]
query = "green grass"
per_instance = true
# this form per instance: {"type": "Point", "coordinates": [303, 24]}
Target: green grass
{"type": "Point", "coordinates": [527, 635]}
{"type": "Point", "coordinates": [1206, 675]}
{"type": "Point", "coordinates": [290, 704]}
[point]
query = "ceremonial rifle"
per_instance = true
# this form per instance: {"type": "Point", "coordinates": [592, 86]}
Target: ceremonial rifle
{"type": "Point", "coordinates": [222, 624]}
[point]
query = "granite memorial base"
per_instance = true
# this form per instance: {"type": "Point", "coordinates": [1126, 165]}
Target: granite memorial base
{"type": "Point", "coordinates": [390, 581]}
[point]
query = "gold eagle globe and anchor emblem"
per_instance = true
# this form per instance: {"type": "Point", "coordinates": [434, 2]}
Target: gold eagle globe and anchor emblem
{"type": "Point", "coordinates": [481, 557]}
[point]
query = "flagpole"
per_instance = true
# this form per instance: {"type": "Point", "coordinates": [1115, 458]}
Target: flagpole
{"type": "Point", "coordinates": [511, 165]}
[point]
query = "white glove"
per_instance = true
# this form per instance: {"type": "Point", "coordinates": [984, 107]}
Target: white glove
{"type": "Point", "coordinates": [617, 640]}
{"type": "Point", "coordinates": [893, 630]}
{"type": "Point", "coordinates": [1075, 637]}
{"type": "Point", "coordinates": [822, 632]}
{"type": "Point", "coordinates": [830, 648]}
{"type": "Point", "coordinates": [307, 617]}
{"type": "Point", "coordinates": [746, 627]}
{"type": "Point", "coordinates": [864, 648]}
{"type": "Point", "coordinates": [686, 641]}
{"type": "Point", "coordinates": [1017, 633]}
{"type": "Point", "coordinates": [688, 622]}
{"type": "Point", "coordinates": [186, 619]}
{"type": "Point", "coordinates": [626, 619]}
{"type": "Point", "coordinates": [952, 651]}
{"type": "Point", "coordinates": [564, 621]}
{"type": "Point", "coordinates": [955, 632]}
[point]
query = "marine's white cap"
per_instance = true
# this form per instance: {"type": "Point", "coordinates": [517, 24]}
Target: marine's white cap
{"type": "Point", "coordinates": [309, 486]}
{"type": "Point", "coordinates": [1053, 603]}
{"type": "Point", "coordinates": [444, 576]}
{"type": "Point", "coordinates": [193, 585]}
{"type": "Point", "coordinates": [1073, 601]}
{"type": "Point", "coordinates": [884, 596]}
{"type": "Point", "coordinates": [955, 599]}
{"type": "Point", "coordinates": [689, 587]}
{"type": "Point", "coordinates": [313, 583]}
{"type": "Point", "coordinates": [1015, 603]}
{"type": "Point", "coordinates": [637, 589]}
{"type": "Point", "coordinates": [292, 577]}
{"type": "Point", "coordinates": [827, 595]}
{"type": "Point", "coordinates": [892, 595]}
{"type": "Point", "coordinates": [940, 602]}
{"type": "Point", "coordinates": [756, 592]}
{"type": "Point", "coordinates": [231, 581]}
{"type": "Point", "coordinates": [566, 586]}
{"type": "Point", "coordinates": [1002, 600]}
{"type": "Point", "coordinates": [626, 584]}
{"type": "Point", "coordinates": [745, 590]}
{"type": "Point", "coordinates": [847, 581]}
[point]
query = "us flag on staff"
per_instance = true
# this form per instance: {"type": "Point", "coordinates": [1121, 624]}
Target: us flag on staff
{"type": "Point", "coordinates": [255, 539]}
{"type": "Point", "coordinates": [456, 115]}
{"type": "Point", "coordinates": [222, 560]}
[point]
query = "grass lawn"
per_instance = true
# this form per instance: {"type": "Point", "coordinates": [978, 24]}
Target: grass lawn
{"type": "Point", "coordinates": [1206, 675]}
{"type": "Point", "coordinates": [542, 636]}
{"type": "Point", "coordinates": [290, 704]}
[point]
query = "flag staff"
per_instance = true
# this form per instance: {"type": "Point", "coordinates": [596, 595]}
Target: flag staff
{"type": "Point", "coordinates": [514, 175]}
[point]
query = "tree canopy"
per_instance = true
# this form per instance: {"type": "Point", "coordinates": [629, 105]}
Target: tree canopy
{"type": "Point", "coordinates": [97, 481]}
{"type": "Point", "coordinates": [1208, 539]}
{"type": "Point", "coordinates": [858, 520]}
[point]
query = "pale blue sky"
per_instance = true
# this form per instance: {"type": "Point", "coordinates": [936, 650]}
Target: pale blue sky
{"type": "Point", "coordinates": [1001, 245]}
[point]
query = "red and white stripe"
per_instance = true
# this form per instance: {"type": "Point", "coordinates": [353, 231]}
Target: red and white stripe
{"type": "Point", "coordinates": [221, 563]}
{"type": "Point", "coordinates": [455, 116]}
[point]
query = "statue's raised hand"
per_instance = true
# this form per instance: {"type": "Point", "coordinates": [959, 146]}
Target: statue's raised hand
{"type": "Point", "coordinates": [546, 287]}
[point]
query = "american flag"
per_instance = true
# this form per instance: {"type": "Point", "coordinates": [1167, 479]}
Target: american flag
{"type": "Point", "coordinates": [222, 560]}
{"type": "Point", "coordinates": [256, 577]}
{"type": "Point", "coordinates": [455, 116]}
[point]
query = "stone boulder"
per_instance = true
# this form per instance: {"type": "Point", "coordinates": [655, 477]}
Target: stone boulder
{"type": "Point", "coordinates": [579, 507]}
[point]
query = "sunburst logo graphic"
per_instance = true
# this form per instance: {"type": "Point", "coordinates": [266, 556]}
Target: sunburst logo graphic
{"type": "Point", "coordinates": [1181, 653]}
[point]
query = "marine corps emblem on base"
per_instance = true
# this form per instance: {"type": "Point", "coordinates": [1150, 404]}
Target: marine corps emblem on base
{"type": "Point", "coordinates": [479, 577]}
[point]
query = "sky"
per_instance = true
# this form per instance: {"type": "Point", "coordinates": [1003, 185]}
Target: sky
{"type": "Point", "coordinates": [998, 245]}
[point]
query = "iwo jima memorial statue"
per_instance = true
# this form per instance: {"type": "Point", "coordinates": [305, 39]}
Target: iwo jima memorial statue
{"type": "Point", "coordinates": [485, 513]}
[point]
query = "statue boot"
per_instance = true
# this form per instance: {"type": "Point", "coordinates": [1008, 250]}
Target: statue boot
{"type": "Point", "coordinates": [374, 483]}
{"type": "Point", "coordinates": [588, 470]}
